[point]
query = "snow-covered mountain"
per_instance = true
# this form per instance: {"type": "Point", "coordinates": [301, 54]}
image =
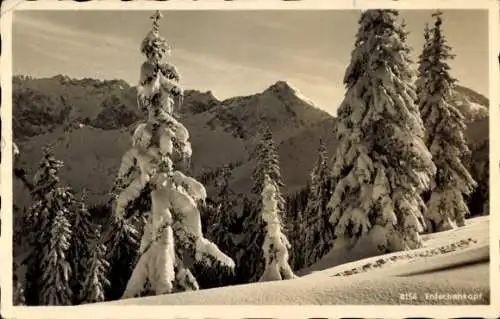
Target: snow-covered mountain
{"type": "Point", "coordinates": [90, 121]}
{"type": "Point", "coordinates": [281, 107]}
{"type": "Point", "coordinates": [222, 132]}
{"type": "Point", "coordinates": [48, 104]}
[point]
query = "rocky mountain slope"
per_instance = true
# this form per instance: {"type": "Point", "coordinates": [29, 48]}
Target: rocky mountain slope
{"type": "Point", "coordinates": [90, 131]}
{"type": "Point", "coordinates": [473, 105]}
{"type": "Point", "coordinates": [89, 124]}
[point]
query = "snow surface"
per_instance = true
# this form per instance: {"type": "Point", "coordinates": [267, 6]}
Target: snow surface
{"type": "Point", "coordinates": [301, 96]}
{"type": "Point", "coordinates": [452, 262]}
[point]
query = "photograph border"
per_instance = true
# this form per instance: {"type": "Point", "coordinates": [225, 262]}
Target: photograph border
{"type": "Point", "coordinates": [245, 311]}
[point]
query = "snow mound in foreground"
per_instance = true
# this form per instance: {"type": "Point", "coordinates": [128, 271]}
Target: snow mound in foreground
{"type": "Point", "coordinates": [459, 276]}
{"type": "Point", "coordinates": [474, 235]}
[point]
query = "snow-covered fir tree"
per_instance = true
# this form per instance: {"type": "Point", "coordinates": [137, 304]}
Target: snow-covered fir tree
{"type": "Point", "coordinates": [46, 179]}
{"type": "Point", "coordinates": [48, 272]}
{"type": "Point", "coordinates": [173, 227]}
{"type": "Point", "coordinates": [318, 234]}
{"type": "Point", "coordinates": [80, 248]}
{"type": "Point", "coordinates": [276, 245]}
{"type": "Point", "coordinates": [94, 280]}
{"type": "Point", "coordinates": [445, 138]}
{"type": "Point", "coordinates": [381, 165]}
{"type": "Point", "coordinates": [55, 288]}
{"type": "Point", "coordinates": [267, 163]}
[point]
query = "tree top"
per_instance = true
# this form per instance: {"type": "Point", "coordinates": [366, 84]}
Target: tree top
{"type": "Point", "coordinates": [156, 20]}
{"type": "Point", "coordinates": [437, 13]}
{"type": "Point", "coordinates": [156, 16]}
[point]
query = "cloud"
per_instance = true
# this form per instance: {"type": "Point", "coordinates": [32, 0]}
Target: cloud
{"type": "Point", "coordinates": [66, 49]}
{"type": "Point", "coordinates": [64, 42]}
{"type": "Point", "coordinates": [27, 23]}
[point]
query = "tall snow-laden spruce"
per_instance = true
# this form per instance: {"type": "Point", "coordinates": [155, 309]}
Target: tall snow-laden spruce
{"type": "Point", "coordinates": [381, 165]}
{"type": "Point", "coordinates": [80, 245]}
{"type": "Point", "coordinates": [173, 227]}
{"type": "Point", "coordinates": [55, 288]}
{"type": "Point", "coordinates": [267, 164]}
{"type": "Point", "coordinates": [445, 138]}
{"type": "Point", "coordinates": [319, 236]}
{"type": "Point", "coordinates": [48, 274]}
{"type": "Point", "coordinates": [276, 245]}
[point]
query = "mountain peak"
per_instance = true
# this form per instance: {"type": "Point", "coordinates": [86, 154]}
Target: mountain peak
{"type": "Point", "coordinates": [198, 102]}
{"type": "Point", "coordinates": [285, 89]}
{"type": "Point", "coordinates": [281, 86]}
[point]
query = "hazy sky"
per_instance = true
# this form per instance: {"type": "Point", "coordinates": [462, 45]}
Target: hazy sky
{"type": "Point", "coordinates": [230, 52]}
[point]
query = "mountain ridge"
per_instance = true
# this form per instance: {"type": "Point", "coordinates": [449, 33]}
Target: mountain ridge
{"type": "Point", "coordinates": [222, 131]}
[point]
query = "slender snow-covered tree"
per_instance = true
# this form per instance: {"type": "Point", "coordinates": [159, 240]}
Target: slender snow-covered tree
{"type": "Point", "coordinates": [318, 232]}
{"type": "Point", "coordinates": [267, 163]}
{"type": "Point", "coordinates": [445, 138]}
{"type": "Point", "coordinates": [80, 246]}
{"type": "Point", "coordinates": [48, 272]}
{"type": "Point", "coordinates": [276, 245]}
{"type": "Point", "coordinates": [55, 288]}
{"type": "Point", "coordinates": [173, 226]}
{"type": "Point", "coordinates": [381, 165]}
{"type": "Point", "coordinates": [94, 278]}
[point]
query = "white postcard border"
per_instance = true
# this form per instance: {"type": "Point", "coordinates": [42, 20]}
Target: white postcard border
{"type": "Point", "coordinates": [244, 311]}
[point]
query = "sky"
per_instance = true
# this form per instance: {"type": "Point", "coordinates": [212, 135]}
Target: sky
{"type": "Point", "coordinates": [231, 53]}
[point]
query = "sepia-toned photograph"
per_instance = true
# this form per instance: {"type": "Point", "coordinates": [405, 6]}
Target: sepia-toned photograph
{"type": "Point", "coordinates": [250, 157]}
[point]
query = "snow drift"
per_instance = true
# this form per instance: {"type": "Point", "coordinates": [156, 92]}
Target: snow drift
{"type": "Point", "coordinates": [458, 274]}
